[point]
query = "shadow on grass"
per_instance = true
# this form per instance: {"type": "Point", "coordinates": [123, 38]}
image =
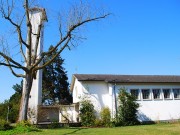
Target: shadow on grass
{"type": "Point", "coordinates": [75, 131]}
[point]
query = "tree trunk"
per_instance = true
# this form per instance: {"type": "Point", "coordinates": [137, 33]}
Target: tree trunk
{"type": "Point", "coordinates": [25, 97]}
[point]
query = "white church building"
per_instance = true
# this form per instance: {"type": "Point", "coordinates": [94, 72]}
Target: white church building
{"type": "Point", "coordinates": [157, 95]}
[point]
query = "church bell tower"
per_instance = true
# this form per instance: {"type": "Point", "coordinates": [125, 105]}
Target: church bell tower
{"type": "Point", "coordinates": [36, 16]}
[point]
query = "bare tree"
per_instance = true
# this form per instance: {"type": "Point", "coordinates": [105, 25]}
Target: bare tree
{"type": "Point", "coordinates": [77, 17]}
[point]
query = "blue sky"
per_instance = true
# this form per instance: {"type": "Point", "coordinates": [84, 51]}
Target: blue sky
{"type": "Point", "coordinates": [140, 37]}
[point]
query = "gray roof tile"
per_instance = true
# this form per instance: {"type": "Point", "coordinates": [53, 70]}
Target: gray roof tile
{"type": "Point", "coordinates": [129, 78]}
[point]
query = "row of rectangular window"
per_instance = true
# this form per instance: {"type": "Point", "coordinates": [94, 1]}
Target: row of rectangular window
{"type": "Point", "coordinates": [156, 94]}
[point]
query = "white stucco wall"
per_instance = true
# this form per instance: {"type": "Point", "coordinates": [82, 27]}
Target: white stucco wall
{"type": "Point", "coordinates": [98, 93]}
{"type": "Point", "coordinates": [101, 95]}
{"type": "Point", "coordinates": [155, 110]}
{"type": "Point", "coordinates": [77, 91]}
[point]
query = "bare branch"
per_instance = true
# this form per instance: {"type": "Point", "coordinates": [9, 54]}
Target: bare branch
{"type": "Point", "coordinates": [22, 52]}
{"type": "Point", "coordinates": [7, 65]}
{"type": "Point", "coordinates": [68, 38]}
{"type": "Point", "coordinates": [8, 59]}
{"type": "Point", "coordinates": [51, 60]}
{"type": "Point", "coordinates": [10, 7]}
{"type": "Point", "coordinates": [60, 26]}
{"type": "Point", "coordinates": [15, 74]}
{"type": "Point", "coordinates": [4, 48]}
{"type": "Point", "coordinates": [86, 21]}
{"type": "Point", "coordinates": [7, 17]}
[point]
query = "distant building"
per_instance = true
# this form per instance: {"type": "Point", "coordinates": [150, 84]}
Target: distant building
{"type": "Point", "coordinates": [158, 95]}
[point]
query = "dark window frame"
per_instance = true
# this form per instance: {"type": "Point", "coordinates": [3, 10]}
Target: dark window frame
{"type": "Point", "coordinates": [156, 93]}
{"type": "Point", "coordinates": [178, 93]}
{"type": "Point", "coordinates": [136, 95]}
{"type": "Point", "coordinates": [146, 94]}
{"type": "Point", "coordinates": [166, 93]}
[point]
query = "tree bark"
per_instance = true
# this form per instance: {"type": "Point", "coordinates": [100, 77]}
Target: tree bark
{"type": "Point", "coordinates": [25, 97]}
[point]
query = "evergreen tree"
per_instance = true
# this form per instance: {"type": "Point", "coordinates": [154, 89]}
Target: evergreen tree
{"type": "Point", "coordinates": [55, 82]}
{"type": "Point", "coordinates": [9, 109]}
{"type": "Point", "coordinates": [4, 109]}
{"type": "Point", "coordinates": [127, 110]}
{"type": "Point", "coordinates": [14, 102]}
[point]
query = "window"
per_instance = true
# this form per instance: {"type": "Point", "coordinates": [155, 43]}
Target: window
{"type": "Point", "coordinates": [176, 93]}
{"type": "Point", "coordinates": [146, 93]}
{"type": "Point", "coordinates": [156, 93]}
{"type": "Point", "coordinates": [135, 93]}
{"type": "Point", "coordinates": [166, 93]}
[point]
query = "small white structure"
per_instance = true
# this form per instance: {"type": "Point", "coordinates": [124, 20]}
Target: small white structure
{"type": "Point", "coordinates": [69, 113]}
{"type": "Point", "coordinates": [158, 95]}
{"type": "Point", "coordinates": [36, 16]}
{"type": "Point", "coordinates": [58, 113]}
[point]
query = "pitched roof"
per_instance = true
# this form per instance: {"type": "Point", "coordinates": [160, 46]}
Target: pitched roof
{"type": "Point", "coordinates": [129, 78]}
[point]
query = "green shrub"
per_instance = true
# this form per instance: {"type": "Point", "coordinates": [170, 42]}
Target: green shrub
{"type": "Point", "coordinates": [127, 110]}
{"type": "Point", "coordinates": [25, 126]}
{"type": "Point", "coordinates": [4, 125]}
{"type": "Point", "coordinates": [87, 113]}
{"type": "Point", "coordinates": [21, 128]}
{"type": "Point", "coordinates": [106, 117]}
{"type": "Point", "coordinates": [98, 123]}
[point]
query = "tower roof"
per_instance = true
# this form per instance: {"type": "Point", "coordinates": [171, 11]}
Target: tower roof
{"type": "Point", "coordinates": [38, 9]}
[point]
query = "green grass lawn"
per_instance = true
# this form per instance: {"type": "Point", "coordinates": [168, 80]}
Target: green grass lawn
{"type": "Point", "coordinates": [156, 129]}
